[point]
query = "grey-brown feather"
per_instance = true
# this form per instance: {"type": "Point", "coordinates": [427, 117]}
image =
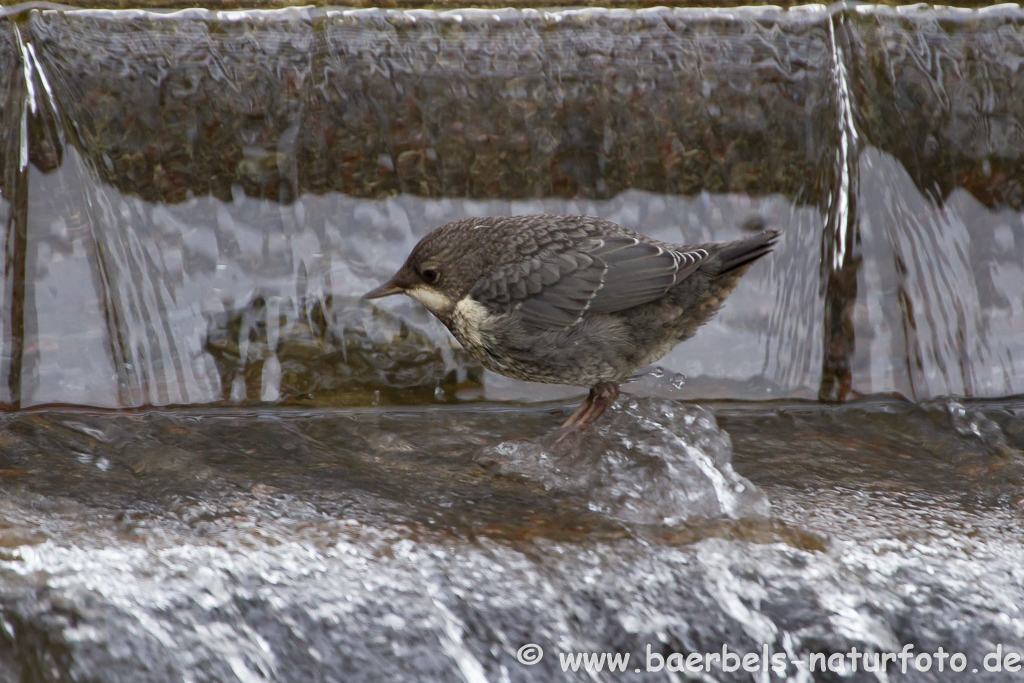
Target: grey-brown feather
{"type": "Point", "coordinates": [561, 283]}
{"type": "Point", "coordinates": [576, 299]}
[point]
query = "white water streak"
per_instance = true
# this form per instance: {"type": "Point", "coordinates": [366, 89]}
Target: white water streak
{"type": "Point", "coordinates": [847, 145]}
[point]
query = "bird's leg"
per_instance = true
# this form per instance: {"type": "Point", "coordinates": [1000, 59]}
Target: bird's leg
{"type": "Point", "coordinates": [606, 393]}
{"type": "Point", "coordinates": [600, 397]}
{"type": "Point", "coordinates": [581, 410]}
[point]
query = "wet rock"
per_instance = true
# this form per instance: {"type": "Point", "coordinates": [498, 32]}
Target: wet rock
{"type": "Point", "coordinates": [357, 544]}
{"type": "Point", "coordinates": [957, 126]}
{"type": "Point", "coordinates": [512, 104]}
{"type": "Point", "coordinates": [328, 356]}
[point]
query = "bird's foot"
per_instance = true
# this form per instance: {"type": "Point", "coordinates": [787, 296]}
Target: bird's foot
{"type": "Point", "coordinates": [600, 397]}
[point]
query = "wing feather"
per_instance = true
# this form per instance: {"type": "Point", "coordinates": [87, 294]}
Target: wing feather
{"type": "Point", "coordinates": [561, 284]}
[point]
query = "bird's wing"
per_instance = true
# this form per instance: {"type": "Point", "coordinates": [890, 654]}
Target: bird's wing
{"type": "Point", "coordinates": [558, 286]}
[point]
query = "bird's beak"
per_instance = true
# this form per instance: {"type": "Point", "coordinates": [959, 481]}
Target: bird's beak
{"type": "Point", "coordinates": [386, 289]}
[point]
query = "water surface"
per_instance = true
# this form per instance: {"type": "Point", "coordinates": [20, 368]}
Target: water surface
{"type": "Point", "coordinates": [217, 463]}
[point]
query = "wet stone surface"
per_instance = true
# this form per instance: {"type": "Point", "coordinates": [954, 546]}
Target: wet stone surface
{"type": "Point", "coordinates": [339, 544]}
{"type": "Point", "coordinates": [503, 104]}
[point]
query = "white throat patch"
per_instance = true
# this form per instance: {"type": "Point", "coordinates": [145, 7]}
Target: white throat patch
{"type": "Point", "coordinates": [431, 298]}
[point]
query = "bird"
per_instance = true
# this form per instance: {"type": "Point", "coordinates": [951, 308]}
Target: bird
{"type": "Point", "coordinates": [570, 299]}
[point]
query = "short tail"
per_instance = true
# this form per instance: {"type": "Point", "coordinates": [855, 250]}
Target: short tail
{"type": "Point", "coordinates": [745, 251]}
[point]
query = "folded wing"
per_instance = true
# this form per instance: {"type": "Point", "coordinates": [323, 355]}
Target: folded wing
{"type": "Point", "coordinates": [558, 287]}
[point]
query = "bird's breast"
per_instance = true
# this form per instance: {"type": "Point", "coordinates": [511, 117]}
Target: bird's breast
{"type": "Point", "coordinates": [470, 320]}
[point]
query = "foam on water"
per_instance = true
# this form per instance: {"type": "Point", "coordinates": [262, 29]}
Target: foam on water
{"type": "Point", "coordinates": [650, 461]}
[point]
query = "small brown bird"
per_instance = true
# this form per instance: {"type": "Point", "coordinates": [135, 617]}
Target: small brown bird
{"type": "Point", "coordinates": [569, 299]}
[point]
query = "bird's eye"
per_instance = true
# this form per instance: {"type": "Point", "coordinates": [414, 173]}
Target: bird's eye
{"type": "Point", "coordinates": [430, 275]}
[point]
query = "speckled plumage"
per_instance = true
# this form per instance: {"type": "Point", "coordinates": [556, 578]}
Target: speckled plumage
{"type": "Point", "coordinates": [569, 299]}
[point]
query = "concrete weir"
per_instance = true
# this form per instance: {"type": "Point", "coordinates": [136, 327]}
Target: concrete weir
{"type": "Point", "coordinates": [218, 464]}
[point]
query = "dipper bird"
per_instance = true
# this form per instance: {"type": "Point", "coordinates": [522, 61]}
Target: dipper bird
{"type": "Point", "coordinates": [569, 299]}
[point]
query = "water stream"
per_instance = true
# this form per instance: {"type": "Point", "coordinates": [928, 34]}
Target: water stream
{"type": "Point", "coordinates": [218, 464]}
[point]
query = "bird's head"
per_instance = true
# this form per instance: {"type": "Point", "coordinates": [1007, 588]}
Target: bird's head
{"type": "Point", "coordinates": [442, 268]}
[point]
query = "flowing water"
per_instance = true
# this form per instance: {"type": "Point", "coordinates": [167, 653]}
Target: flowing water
{"type": "Point", "coordinates": [217, 463]}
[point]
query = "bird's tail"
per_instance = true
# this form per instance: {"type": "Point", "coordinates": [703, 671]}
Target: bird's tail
{"type": "Point", "coordinates": [745, 251]}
